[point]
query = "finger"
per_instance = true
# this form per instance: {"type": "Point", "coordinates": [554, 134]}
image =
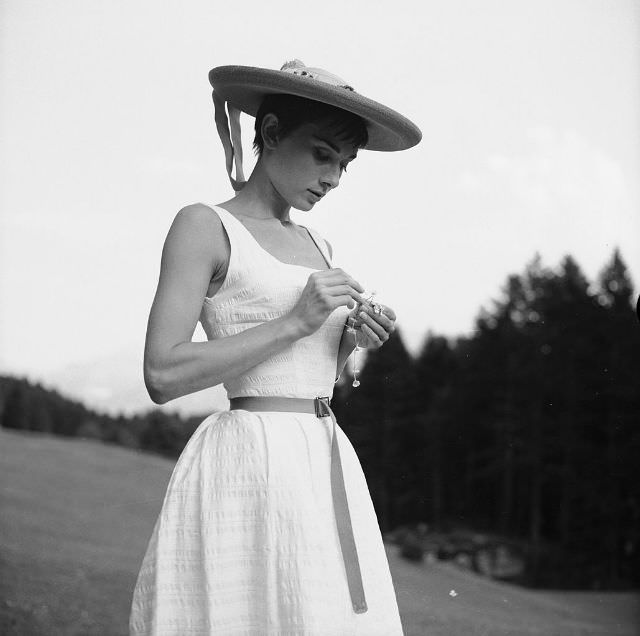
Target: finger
{"type": "Point", "coordinates": [382, 310]}
{"type": "Point", "coordinates": [345, 299]}
{"type": "Point", "coordinates": [341, 290]}
{"type": "Point", "coordinates": [386, 322]}
{"type": "Point", "coordinates": [387, 311]}
{"type": "Point", "coordinates": [372, 336]}
{"type": "Point", "coordinates": [336, 274]}
{"type": "Point", "coordinates": [374, 326]}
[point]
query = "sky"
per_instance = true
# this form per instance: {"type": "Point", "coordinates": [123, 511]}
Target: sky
{"type": "Point", "coordinates": [531, 144]}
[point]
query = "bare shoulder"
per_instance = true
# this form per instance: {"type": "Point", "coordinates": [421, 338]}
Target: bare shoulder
{"type": "Point", "coordinates": [199, 216]}
{"type": "Point", "coordinates": [197, 227]}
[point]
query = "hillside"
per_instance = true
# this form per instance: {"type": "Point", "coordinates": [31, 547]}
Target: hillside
{"type": "Point", "coordinates": [77, 514]}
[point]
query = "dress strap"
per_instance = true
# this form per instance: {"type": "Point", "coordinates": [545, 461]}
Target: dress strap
{"type": "Point", "coordinates": [237, 239]}
{"type": "Point", "coordinates": [233, 227]}
{"type": "Point", "coordinates": [242, 234]}
{"type": "Point", "coordinates": [321, 244]}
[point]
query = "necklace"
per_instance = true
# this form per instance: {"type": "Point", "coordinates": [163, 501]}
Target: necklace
{"type": "Point", "coordinates": [353, 328]}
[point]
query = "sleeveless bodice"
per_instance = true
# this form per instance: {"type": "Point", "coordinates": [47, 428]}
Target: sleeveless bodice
{"type": "Point", "coordinates": [258, 288]}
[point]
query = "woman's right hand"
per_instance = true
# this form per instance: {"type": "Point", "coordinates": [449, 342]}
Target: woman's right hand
{"type": "Point", "coordinates": [325, 291]}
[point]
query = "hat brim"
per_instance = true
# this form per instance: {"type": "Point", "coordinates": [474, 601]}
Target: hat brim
{"type": "Point", "coordinates": [246, 86]}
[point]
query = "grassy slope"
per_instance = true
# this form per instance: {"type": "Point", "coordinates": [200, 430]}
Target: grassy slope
{"type": "Point", "coordinates": [76, 516]}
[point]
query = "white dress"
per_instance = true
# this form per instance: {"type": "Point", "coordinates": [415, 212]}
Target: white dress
{"type": "Point", "coordinates": [246, 542]}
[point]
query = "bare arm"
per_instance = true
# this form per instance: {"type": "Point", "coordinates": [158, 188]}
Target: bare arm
{"type": "Point", "coordinates": [195, 248]}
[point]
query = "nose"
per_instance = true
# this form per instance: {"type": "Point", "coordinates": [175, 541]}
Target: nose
{"type": "Point", "coordinates": [331, 178]}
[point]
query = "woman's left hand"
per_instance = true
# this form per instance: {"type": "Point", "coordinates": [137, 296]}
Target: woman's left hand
{"type": "Point", "coordinates": [373, 329]}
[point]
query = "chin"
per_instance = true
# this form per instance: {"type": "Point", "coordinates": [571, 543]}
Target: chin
{"type": "Point", "coordinates": [303, 206]}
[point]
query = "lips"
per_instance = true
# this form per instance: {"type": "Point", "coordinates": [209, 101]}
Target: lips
{"type": "Point", "coordinates": [316, 195]}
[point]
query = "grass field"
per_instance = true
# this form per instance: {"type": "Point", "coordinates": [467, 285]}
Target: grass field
{"type": "Point", "coordinates": [76, 515]}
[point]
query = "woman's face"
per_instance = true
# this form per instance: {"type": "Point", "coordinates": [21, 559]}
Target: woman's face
{"type": "Point", "coordinates": [307, 163]}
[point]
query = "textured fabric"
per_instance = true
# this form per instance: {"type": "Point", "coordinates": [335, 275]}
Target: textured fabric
{"type": "Point", "coordinates": [259, 288]}
{"type": "Point", "coordinates": [246, 543]}
{"type": "Point", "coordinates": [321, 408]}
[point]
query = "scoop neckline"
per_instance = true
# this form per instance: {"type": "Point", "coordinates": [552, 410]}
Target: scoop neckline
{"type": "Point", "coordinates": [277, 260]}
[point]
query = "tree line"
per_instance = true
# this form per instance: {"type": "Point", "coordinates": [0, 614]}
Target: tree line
{"type": "Point", "coordinates": [528, 428]}
{"type": "Point", "coordinates": [31, 407]}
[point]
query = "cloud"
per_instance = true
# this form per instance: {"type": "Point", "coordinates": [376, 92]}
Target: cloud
{"type": "Point", "coordinates": [562, 194]}
{"type": "Point", "coordinates": [560, 172]}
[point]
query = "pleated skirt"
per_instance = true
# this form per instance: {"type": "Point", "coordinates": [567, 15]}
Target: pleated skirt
{"type": "Point", "coordinates": [246, 542]}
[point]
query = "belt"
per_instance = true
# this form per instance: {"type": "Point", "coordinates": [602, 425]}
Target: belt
{"type": "Point", "coordinates": [320, 407]}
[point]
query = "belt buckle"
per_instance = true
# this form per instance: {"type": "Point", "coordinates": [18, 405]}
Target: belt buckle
{"type": "Point", "coordinates": [321, 405]}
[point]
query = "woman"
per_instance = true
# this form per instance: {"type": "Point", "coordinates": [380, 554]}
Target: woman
{"type": "Point", "coordinates": [267, 526]}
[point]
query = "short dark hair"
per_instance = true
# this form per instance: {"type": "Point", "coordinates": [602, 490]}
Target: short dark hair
{"type": "Point", "coordinates": [293, 111]}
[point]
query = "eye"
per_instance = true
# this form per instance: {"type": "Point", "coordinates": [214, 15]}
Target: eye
{"type": "Point", "coordinates": [321, 155]}
{"type": "Point", "coordinates": [343, 167]}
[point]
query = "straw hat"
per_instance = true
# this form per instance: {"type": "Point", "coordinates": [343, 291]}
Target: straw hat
{"type": "Point", "coordinates": [242, 88]}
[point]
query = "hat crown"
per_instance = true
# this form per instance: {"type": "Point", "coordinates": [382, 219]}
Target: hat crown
{"type": "Point", "coordinates": [297, 67]}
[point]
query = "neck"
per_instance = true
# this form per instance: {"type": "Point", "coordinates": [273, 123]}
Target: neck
{"type": "Point", "coordinates": [260, 199]}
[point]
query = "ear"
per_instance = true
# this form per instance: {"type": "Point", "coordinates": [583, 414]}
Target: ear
{"type": "Point", "coordinates": [269, 131]}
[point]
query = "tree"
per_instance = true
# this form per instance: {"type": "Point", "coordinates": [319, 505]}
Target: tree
{"type": "Point", "coordinates": [379, 417]}
{"type": "Point", "coordinates": [162, 433]}
{"type": "Point", "coordinates": [620, 416]}
{"type": "Point", "coordinates": [16, 409]}
{"type": "Point", "coordinates": [435, 367]}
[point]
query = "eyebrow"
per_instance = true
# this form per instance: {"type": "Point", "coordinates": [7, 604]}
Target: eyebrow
{"type": "Point", "coordinates": [331, 145]}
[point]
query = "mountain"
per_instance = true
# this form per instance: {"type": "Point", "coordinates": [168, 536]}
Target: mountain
{"type": "Point", "coordinates": [114, 384]}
